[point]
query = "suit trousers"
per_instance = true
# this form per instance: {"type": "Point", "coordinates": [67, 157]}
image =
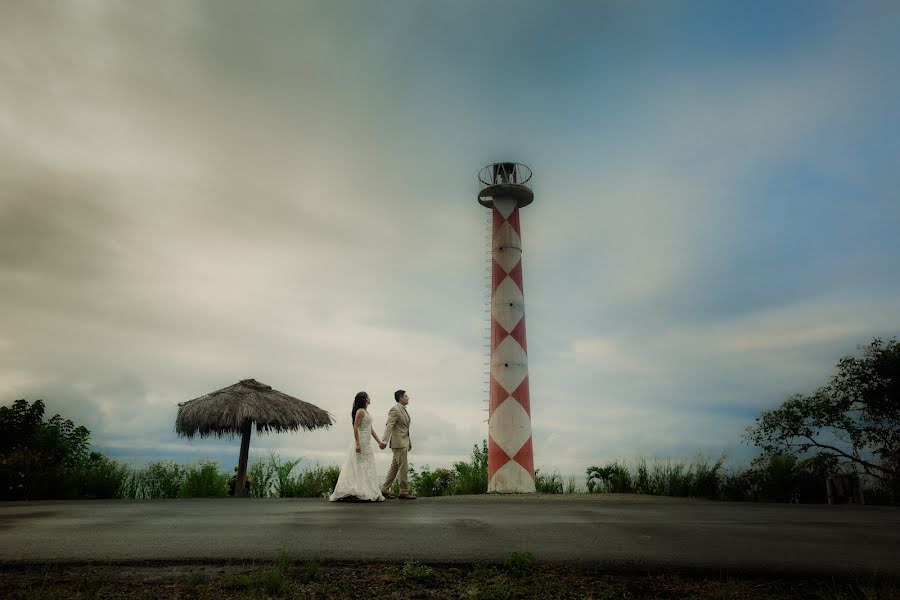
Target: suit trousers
{"type": "Point", "coordinates": [398, 465]}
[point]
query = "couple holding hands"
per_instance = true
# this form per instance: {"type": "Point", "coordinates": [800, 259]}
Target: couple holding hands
{"type": "Point", "coordinates": [358, 479]}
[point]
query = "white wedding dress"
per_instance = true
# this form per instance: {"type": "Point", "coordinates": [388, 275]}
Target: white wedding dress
{"type": "Point", "coordinates": [358, 478]}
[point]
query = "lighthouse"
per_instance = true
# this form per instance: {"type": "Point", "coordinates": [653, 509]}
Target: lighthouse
{"type": "Point", "coordinates": [505, 188]}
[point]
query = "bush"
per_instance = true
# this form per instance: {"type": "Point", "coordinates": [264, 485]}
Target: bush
{"type": "Point", "coordinates": [285, 486]}
{"type": "Point", "coordinates": [439, 482]}
{"type": "Point", "coordinates": [471, 477]}
{"type": "Point", "coordinates": [413, 572]}
{"type": "Point", "coordinates": [613, 478]}
{"type": "Point", "coordinates": [672, 479]}
{"type": "Point", "coordinates": [272, 477]}
{"type": "Point", "coordinates": [261, 474]}
{"type": "Point", "coordinates": [775, 477]}
{"type": "Point", "coordinates": [705, 483]}
{"type": "Point", "coordinates": [548, 484]}
{"type": "Point", "coordinates": [700, 479]}
{"type": "Point", "coordinates": [203, 480]}
{"type": "Point", "coordinates": [102, 477]}
{"type": "Point", "coordinates": [520, 561]}
{"type": "Point", "coordinates": [159, 479]}
{"type": "Point", "coordinates": [313, 482]}
{"type": "Point", "coordinates": [737, 486]}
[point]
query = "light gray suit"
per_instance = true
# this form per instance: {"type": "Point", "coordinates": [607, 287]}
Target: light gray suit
{"type": "Point", "coordinates": [396, 435]}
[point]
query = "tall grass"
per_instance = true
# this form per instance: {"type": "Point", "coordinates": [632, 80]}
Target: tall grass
{"type": "Point", "coordinates": [261, 475]}
{"type": "Point", "coordinates": [159, 479]}
{"type": "Point", "coordinates": [548, 483]}
{"type": "Point", "coordinates": [312, 482]}
{"type": "Point", "coordinates": [698, 479]}
{"type": "Point", "coordinates": [284, 483]}
{"type": "Point", "coordinates": [272, 477]}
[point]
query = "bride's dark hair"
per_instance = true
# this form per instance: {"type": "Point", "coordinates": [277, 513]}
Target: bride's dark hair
{"type": "Point", "coordinates": [358, 402]}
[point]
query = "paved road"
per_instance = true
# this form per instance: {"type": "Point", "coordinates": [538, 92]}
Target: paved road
{"type": "Point", "coordinates": [618, 531]}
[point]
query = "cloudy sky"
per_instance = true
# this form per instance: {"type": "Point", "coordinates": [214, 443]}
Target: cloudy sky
{"type": "Point", "coordinates": [194, 193]}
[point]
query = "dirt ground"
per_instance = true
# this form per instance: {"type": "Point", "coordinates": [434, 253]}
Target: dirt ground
{"type": "Point", "coordinates": [284, 578]}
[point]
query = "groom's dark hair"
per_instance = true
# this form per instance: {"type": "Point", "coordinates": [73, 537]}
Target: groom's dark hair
{"type": "Point", "coordinates": [398, 394]}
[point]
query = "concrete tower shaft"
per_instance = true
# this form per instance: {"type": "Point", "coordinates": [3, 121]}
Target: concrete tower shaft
{"type": "Point", "coordinates": [505, 189]}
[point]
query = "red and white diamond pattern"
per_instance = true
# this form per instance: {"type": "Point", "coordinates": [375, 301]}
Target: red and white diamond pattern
{"type": "Point", "coordinates": [510, 454]}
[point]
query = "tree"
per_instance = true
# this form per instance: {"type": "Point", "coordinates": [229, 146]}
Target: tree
{"type": "Point", "coordinates": [37, 457]}
{"type": "Point", "coordinates": [854, 419]}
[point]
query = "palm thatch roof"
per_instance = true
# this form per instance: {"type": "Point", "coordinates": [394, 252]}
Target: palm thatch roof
{"type": "Point", "coordinates": [223, 413]}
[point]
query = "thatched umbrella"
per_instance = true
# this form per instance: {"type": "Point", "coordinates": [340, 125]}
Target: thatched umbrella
{"type": "Point", "coordinates": [234, 409]}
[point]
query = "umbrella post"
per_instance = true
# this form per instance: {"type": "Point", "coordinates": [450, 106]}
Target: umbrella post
{"type": "Point", "coordinates": [241, 482]}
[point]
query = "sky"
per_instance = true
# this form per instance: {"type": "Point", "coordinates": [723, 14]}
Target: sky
{"type": "Point", "coordinates": [195, 193]}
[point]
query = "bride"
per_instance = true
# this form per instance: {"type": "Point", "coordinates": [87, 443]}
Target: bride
{"type": "Point", "coordinates": [358, 480]}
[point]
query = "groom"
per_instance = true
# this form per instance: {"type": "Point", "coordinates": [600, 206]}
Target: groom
{"type": "Point", "coordinates": [396, 433]}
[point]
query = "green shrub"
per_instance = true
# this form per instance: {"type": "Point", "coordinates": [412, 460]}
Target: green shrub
{"type": "Point", "coordinates": [548, 484]}
{"type": "Point", "coordinates": [413, 572]}
{"type": "Point", "coordinates": [642, 482]}
{"type": "Point", "coordinates": [261, 474]}
{"type": "Point", "coordinates": [285, 485]}
{"type": "Point", "coordinates": [159, 479]}
{"type": "Point", "coordinates": [270, 580]}
{"type": "Point", "coordinates": [471, 477]}
{"type": "Point", "coordinates": [736, 486]}
{"type": "Point", "coordinates": [274, 477]}
{"type": "Point", "coordinates": [776, 475]}
{"type": "Point", "coordinates": [613, 478]}
{"type": "Point", "coordinates": [668, 479]}
{"type": "Point", "coordinates": [706, 478]}
{"type": "Point", "coordinates": [202, 480]}
{"type": "Point", "coordinates": [314, 482]}
{"type": "Point", "coordinates": [426, 482]}
{"type": "Point", "coordinates": [520, 560]}
{"type": "Point", "coordinates": [102, 477]}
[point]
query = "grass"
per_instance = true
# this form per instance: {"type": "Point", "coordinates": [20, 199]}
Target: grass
{"type": "Point", "coordinates": [273, 580]}
{"type": "Point", "coordinates": [311, 568]}
{"type": "Point", "coordinates": [159, 479]}
{"type": "Point", "coordinates": [519, 561]}
{"type": "Point", "coordinates": [699, 479]}
{"type": "Point", "coordinates": [548, 484]}
{"type": "Point", "coordinates": [281, 578]}
{"type": "Point", "coordinates": [273, 478]}
{"type": "Point", "coordinates": [413, 572]}
{"type": "Point", "coordinates": [778, 479]}
{"type": "Point", "coordinates": [202, 480]}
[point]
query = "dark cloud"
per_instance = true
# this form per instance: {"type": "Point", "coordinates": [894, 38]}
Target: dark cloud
{"type": "Point", "coordinates": [191, 194]}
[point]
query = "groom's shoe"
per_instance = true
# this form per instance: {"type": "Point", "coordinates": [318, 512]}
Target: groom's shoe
{"type": "Point", "coordinates": [406, 497]}
{"type": "Point", "coordinates": [387, 496]}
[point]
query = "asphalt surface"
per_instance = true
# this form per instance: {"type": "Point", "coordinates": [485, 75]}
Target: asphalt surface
{"type": "Point", "coordinates": [617, 531]}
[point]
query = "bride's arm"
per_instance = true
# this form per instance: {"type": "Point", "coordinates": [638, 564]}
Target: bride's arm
{"type": "Point", "coordinates": [375, 435]}
{"type": "Point", "coordinates": [356, 423]}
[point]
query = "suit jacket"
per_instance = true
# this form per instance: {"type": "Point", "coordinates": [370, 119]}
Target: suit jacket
{"type": "Point", "coordinates": [396, 430]}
